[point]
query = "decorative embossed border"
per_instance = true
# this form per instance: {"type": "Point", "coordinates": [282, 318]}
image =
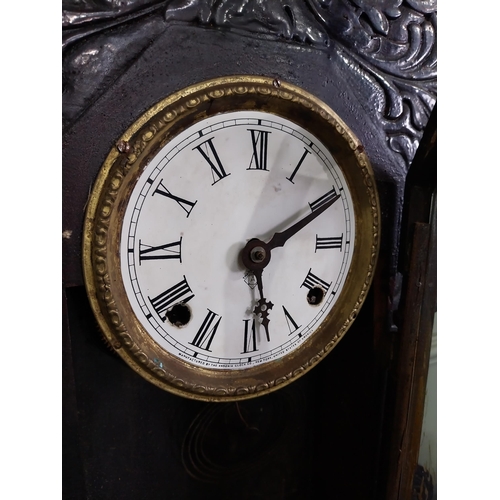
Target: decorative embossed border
{"type": "Point", "coordinates": [392, 42]}
{"type": "Point", "coordinates": [107, 204]}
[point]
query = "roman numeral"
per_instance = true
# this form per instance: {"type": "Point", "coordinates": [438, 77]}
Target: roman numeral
{"type": "Point", "coordinates": [250, 340]}
{"type": "Point", "coordinates": [167, 251]}
{"type": "Point", "coordinates": [210, 154]}
{"type": "Point", "coordinates": [323, 199]}
{"type": "Point", "coordinates": [290, 322]}
{"type": "Point", "coordinates": [330, 242]}
{"type": "Point", "coordinates": [259, 143]}
{"type": "Point", "coordinates": [207, 331]}
{"type": "Point", "coordinates": [186, 205]}
{"type": "Point", "coordinates": [306, 152]}
{"type": "Point", "coordinates": [179, 293]}
{"type": "Point", "coordinates": [312, 281]}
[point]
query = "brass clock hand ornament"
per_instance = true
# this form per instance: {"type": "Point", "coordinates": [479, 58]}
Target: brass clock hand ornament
{"type": "Point", "coordinates": [256, 254]}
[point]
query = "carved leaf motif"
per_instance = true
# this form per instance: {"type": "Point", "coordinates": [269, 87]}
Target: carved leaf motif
{"type": "Point", "coordinates": [377, 11]}
{"type": "Point", "coordinates": [393, 41]}
{"type": "Point", "coordinates": [286, 18]}
{"type": "Point", "coordinates": [424, 6]}
{"type": "Point", "coordinates": [190, 10]}
{"type": "Point", "coordinates": [77, 12]}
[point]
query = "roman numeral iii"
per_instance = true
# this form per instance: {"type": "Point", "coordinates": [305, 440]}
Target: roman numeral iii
{"type": "Point", "coordinates": [330, 242]}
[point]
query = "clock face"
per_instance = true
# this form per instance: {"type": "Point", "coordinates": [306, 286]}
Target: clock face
{"type": "Point", "coordinates": [230, 238]}
{"type": "Point", "coordinates": [220, 183]}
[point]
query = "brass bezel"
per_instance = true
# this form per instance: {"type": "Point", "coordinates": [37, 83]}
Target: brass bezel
{"type": "Point", "coordinates": [108, 200]}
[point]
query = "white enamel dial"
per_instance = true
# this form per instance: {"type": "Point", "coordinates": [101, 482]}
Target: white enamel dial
{"type": "Point", "coordinates": [221, 182]}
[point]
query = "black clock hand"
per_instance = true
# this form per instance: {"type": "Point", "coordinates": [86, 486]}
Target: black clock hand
{"type": "Point", "coordinates": [263, 306]}
{"type": "Point", "coordinates": [256, 254]}
{"type": "Point", "coordinates": [279, 239]}
{"type": "Point", "coordinates": [255, 258]}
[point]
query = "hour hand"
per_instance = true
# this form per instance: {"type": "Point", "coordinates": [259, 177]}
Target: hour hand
{"type": "Point", "coordinates": [317, 208]}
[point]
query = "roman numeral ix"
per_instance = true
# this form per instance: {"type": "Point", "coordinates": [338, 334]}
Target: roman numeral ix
{"type": "Point", "coordinates": [167, 251]}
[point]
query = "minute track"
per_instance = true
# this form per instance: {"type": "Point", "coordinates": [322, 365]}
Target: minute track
{"type": "Point", "coordinates": [288, 327]}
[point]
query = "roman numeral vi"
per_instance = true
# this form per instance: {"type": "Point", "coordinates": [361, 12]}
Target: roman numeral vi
{"type": "Point", "coordinates": [250, 340]}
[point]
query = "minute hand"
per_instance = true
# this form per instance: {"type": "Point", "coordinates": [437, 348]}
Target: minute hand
{"type": "Point", "coordinates": [279, 239]}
